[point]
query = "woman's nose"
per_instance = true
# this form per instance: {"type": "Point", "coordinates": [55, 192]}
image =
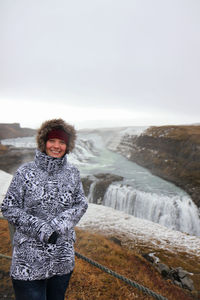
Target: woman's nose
{"type": "Point", "coordinates": [56, 145]}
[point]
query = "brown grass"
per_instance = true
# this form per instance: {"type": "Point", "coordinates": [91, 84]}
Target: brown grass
{"type": "Point", "coordinates": [177, 132]}
{"type": "Point", "coordinates": [88, 282]}
{"type": "Point", "coordinates": [91, 283]}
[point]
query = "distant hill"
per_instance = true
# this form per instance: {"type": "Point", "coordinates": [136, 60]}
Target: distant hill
{"type": "Point", "coordinates": [14, 130]}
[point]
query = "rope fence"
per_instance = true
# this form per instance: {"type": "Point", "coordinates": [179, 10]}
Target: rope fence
{"type": "Point", "coordinates": [108, 271]}
{"type": "Point", "coordinates": [126, 280]}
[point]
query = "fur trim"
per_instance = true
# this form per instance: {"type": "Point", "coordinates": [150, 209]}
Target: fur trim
{"type": "Point", "coordinates": [48, 125]}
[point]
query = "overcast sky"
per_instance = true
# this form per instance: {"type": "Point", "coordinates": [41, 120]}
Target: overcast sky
{"type": "Point", "coordinates": [99, 63]}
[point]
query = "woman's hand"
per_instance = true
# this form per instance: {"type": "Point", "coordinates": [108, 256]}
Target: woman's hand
{"type": "Point", "coordinates": [53, 238]}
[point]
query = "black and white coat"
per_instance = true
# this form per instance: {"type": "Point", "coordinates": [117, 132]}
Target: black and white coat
{"type": "Point", "coordinates": [45, 195]}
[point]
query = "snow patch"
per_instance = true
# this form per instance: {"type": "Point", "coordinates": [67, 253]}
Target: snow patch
{"type": "Point", "coordinates": [109, 221]}
{"type": "Point", "coordinates": [5, 180]}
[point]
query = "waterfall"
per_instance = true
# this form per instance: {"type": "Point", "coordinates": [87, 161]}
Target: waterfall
{"type": "Point", "coordinates": [173, 211]}
{"type": "Point", "coordinates": [90, 196]}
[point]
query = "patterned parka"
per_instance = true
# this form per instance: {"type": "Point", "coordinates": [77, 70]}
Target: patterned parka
{"type": "Point", "coordinates": [45, 196]}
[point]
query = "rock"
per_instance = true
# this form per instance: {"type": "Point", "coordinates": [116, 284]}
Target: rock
{"type": "Point", "coordinates": [173, 274]}
{"type": "Point", "coordinates": [156, 259]}
{"type": "Point", "coordinates": [95, 186]}
{"type": "Point", "coordinates": [115, 240]}
{"type": "Point", "coordinates": [187, 283]}
{"type": "Point", "coordinates": [148, 257]}
{"type": "Point", "coordinates": [182, 273]}
{"type": "Point", "coordinates": [177, 276]}
{"type": "Point", "coordinates": [177, 283]}
{"type": "Point", "coordinates": [163, 269]}
{"type": "Point", "coordinates": [13, 157]}
{"type": "Point", "coordinates": [87, 181]}
{"type": "Point", "coordinates": [103, 182]}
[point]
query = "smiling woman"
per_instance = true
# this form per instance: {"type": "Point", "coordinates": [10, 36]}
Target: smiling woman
{"type": "Point", "coordinates": [44, 202]}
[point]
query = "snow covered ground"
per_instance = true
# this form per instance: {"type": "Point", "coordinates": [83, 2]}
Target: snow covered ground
{"type": "Point", "coordinates": [127, 228]}
{"type": "Point", "coordinates": [5, 180]}
{"type": "Point", "coordinates": [134, 231]}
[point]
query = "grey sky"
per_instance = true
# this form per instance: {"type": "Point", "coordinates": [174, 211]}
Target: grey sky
{"type": "Point", "coordinates": [139, 56]}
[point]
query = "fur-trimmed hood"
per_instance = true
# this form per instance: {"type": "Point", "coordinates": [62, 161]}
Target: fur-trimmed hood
{"type": "Point", "coordinates": [47, 126]}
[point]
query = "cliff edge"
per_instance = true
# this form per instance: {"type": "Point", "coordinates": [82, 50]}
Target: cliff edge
{"type": "Point", "coordinates": [8, 131]}
{"type": "Point", "coordinates": [171, 152]}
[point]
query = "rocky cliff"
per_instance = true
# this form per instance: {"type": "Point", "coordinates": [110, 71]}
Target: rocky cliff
{"type": "Point", "coordinates": [95, 186]}
{"type": "Point", "coordinates": [171, 152]}
{"type": "Point", "coordinates": [14, 130]}
{"type": "Point", "coordinates": [11, 158]}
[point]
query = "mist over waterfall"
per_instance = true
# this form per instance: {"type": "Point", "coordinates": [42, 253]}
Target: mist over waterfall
{"type": "Point", "coordinates": [140, 193]}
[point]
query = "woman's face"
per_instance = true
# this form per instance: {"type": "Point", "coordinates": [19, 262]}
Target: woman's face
{"type": "Point", "coordinates": [56, 148]}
